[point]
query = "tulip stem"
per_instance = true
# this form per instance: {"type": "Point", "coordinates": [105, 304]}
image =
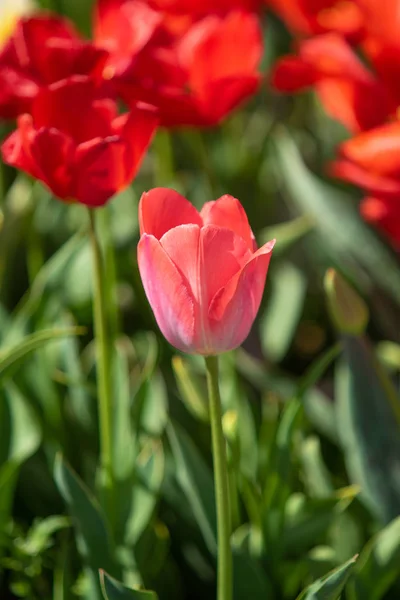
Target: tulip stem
{"type": "Point", "coordinates": [104, 396]}
{"type": "Point", "coordinates": [221, 483]}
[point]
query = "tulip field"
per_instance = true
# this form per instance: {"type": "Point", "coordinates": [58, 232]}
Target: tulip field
{"type": "Point", "coordinates": [199, 299]}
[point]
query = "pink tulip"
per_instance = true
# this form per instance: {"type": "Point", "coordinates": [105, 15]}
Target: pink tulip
{"type": "Point", "coordinates": [202, 272]}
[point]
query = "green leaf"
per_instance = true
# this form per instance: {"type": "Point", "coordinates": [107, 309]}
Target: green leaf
{"type": "Point", "coordinates": [277, 486]}
{"type": "Point", "coordinates": [93, 538]}
{"type": "Point", "coordinates": [307, 521]}
{"type": "Point", "coordinates": [336, 218]}
{"type": "Point", "coordinates": [317, 477]}
{"type": "Point", "coordinates": [286, 234]}
{"type": "Point", "coordinates": [331, 586]}
{"type": "Point", "coordinates": [189, 386]}
{"type": "Point", "coordinates": [250, 579]}
{"type": "Point", "coordinates": [11, 359]}
{"type": "Point", "coordinates": [19, 426]}
{"type": "Point", "coordinates": [196, 481]}
{"type": "Point", "coordinates": [20, 437]}
{"type": "Point", "coordinates": [124, 437]}
{"type": "Point", "coordinates": [234, 399]}
{"type": "Point", "coordinates": [379, 564]}
{"type": "Point", "coordinates": [145, 491]}
{"type": "Point", "coordinates": [40, 534]}
{"type": "Point", "coordinates": [115, 590]}
{"type": "Point", "coordinates": [50, 279]}
{"type": "Point", "coordinates": [368, 422]}
{"type": "Point", "coordinates": [279, 322]}
{"type": "Point", "coordinates": [317, 369]}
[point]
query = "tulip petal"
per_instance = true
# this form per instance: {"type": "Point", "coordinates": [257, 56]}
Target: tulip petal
{"type": "Point", "coordinates": [17, 91]}
{"type": "Point", "coordinates": [70, 106]}
{"type": "Point", "coordinates": [222, 48]}
{"type": "Point", "coordinates": [208, 257]}
{"type": "Point", "coordinates": [220, 97]}
{"type": "Point", "coordinates": [223, 254]}
{"type": "Point", "coordinates": [228, 212]}
{"type": "Point", "coordinates": [332, 56]}
{"type": "Point", "coordinates": [168, 293]}
{"type": "Point", "coordinates": [377, 151]}
{"type": "Point", "coordinates": [161, 209]}
{"type": "Point", "coordinates": [292, 74]}
{"type": "Point", "coordinates": [15, 148]}
{"type": "Point", "coordinates": [124, 28]}
{"type": "Point", "coordinates": [385, 215]}
{"type": "Point", "coordinates": [100, 172]}
{"type": "Point", "coordinates": [45, 154]}
{"type": "Point", "coordinates": [182, 244]}
{"type": "Point", "coordinates": [137, 128]}
{"type": "Point", "coordinates": [358, 105]}
{"type": "Point", "coordinates": [235, 306]}
{"type": "Point", "coordinates": [379, 185]}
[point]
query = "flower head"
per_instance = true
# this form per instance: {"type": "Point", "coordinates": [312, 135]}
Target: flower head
{"type": "Point", "coordinates": [310, 17]}
{"type": "Point", "coordinates": [371, 160]}
{"type": "Point", "coordinates": [195, 76]}
{"type": "Point", "coordinates": [202, 272]}
{"type": "Point", "coordinates": [42, 50]}
{"type": "Point", "coordinates": [77, 144]}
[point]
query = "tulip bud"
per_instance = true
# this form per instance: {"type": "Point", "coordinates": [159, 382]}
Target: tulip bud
{"type": "Point", "coordinates": [347, 309]}
{"type": "Point", "coordinates": [202, 272]}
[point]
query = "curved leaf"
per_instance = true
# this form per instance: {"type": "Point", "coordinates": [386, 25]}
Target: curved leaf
{"type": "Point", "coordinates": [10, 359]}
{"type": "Point", "coordinates": [331, 586]}
{"type": "Point", "coordinates": [115, 590]}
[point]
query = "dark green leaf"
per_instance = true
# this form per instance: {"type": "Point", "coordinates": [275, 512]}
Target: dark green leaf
{"type": "Point", "coordinates": [331, 586]}
{"type": "Point", "coordinates": [336, 218]}
{"type": "Point", "coordinates": [115, 590]}
{"type": "Point", "coordinates": [11, 358]}
{"type": "Point", "coordinates": [196, 481]}
{"type": "Point", "coordinates": [92, 534]}
{"type": "Point", "coordinates": [379, 564]}
{"type": "Point", "coordinates": [279, 322]}
{"type": "Point", "coordinates": [367, 418]}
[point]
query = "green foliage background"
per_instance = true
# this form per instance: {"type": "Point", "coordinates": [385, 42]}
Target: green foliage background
{"type": "Point", "coordinates": [311, 416]}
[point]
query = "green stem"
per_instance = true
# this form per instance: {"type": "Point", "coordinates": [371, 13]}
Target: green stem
{"type": "Point", "coordinates": [104, 395]}
{"type": "Point", "coordinates": [221, 482]}
{"type": "Point", "coordinates": [200, 144]}
{"type": "Point", "coordinates": [104, 235]}
{"type": "Point", "coordinates": [164, 163]}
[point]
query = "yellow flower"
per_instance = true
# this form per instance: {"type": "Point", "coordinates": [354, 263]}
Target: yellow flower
{"type": "Point", "coordinates": [10, 12]}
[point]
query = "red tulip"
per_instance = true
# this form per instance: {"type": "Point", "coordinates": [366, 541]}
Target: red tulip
{"type": "Point", "coordinates": [123, 28]}
{"type": "Point", "coordinates": [360, 96]}
{"type": "Point", "coordinates": [194, 78]}
{"type": "Point", "coordinates": [197, 9]}
{"type": "Point", "coordinates": [372, 161]}
{"type": "Point", "coordinates": [384, 214]}
{"type": "Point", "coordinates": [202, 272]}
{"type": "Point", "coordinates": [78, 145]}
{"type": "Point", "coordinates": [310, 17]}
{"type": "Point", "coordinates": [348, 91]}
{"type": "Point", "coordinates": [41, 51]}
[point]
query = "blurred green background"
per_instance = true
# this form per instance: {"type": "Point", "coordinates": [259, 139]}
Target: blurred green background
{"type": "Point", "coordinates": [311, 415]}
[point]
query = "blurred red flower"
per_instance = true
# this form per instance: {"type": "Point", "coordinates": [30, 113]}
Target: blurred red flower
{"type": "Point", "coordinates": [197, 9]}
{"type": "Point", "coordinates": [42, 50]}
{"type": "Point", "coordinates": [196, 77]}
{"type": "Point", "coordinates": [348, 90]}
{"type": "Point", "coordinates": [371, 160]}
{"type": "Point", "coordinates": [77, 144]}
{"type": "Point", "coordinates": [311, 17]}
{"type": "Point", "coordinates": [202, 272]}
{"type": "Point", "coordinates": [360, 96]}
